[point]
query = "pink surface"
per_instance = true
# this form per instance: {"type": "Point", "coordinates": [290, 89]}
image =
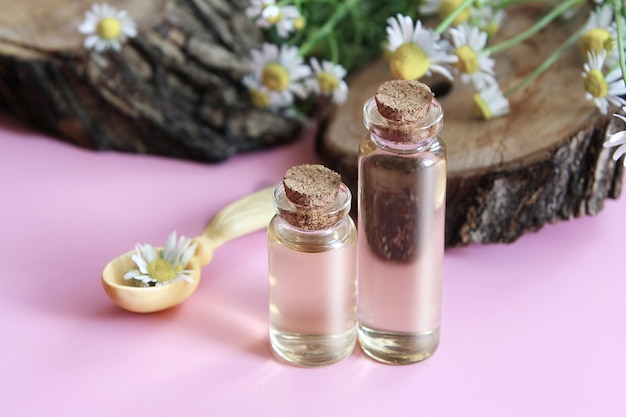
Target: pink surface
{"type": "Point", "coordinates": [535, 328]}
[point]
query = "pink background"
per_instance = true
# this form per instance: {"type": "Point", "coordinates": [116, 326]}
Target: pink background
{"type": "Point", "coordinates": [535, 328]}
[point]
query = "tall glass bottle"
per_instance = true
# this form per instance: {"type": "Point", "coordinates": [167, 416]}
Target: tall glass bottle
{"type": "Point", "coordinates": [401, 205]}
{"type": "Point", "coordinates": [312, 268]}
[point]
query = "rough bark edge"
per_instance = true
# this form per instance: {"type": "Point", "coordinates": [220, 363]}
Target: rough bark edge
{"type": "Point", "coordinates": [498, 207]}
{"type": "Point", "coordinates": [98, 102]}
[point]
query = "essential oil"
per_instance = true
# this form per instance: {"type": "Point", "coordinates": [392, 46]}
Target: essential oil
{"type": "Point", "coordinates": [312, 268]}
{"type": "Point", "coordinates": [401, 205]}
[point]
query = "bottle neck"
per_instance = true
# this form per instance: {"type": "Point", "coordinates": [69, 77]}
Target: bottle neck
{"type": "Point", "coordinates": [312, 219]}
{"type": "Point", "coordinates": [402, 136]}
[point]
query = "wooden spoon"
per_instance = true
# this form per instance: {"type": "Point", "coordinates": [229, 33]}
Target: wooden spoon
{"type": "Point", "coordinates": [243, 216]}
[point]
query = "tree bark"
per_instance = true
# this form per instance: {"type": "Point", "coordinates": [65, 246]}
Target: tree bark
{"type": "Point", "coordinates": [543, 163]}
{"type": "Point", "coordinates": [173, 90]}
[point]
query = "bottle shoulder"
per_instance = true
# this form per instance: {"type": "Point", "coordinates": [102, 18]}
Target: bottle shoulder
{"type": "Point", "coordinates": [281, 231]}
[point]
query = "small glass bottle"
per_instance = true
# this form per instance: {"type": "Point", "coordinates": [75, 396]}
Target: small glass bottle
{"type": "Point", "coordinates": [401, 205]}
{"type": "Point", "coordinates": [312, 268]}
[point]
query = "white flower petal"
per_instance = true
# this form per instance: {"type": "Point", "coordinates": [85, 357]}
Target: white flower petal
{"type": "Point", "coordinates": [187, 255]}
{"type": "Point", "coordinates": [132, 274]}
{"type": "Point", "coordinates": [619, 153]}
{"type": "Point", "coordinates": [89, 27]}
{"type": "Point", "coordinates": [90, 41]}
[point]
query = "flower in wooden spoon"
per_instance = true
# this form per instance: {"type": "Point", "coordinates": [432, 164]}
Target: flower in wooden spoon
{"type": "Point", "coordinates": [618, 140]}
{"type": "Point", "coordinates": [416, 51]}
{"type": "Point", "coordinates": [167, 266]}
{"type": "Point", "coordinates": [106, 28]}
{"type": "Point", "coordinates": [603, 89]}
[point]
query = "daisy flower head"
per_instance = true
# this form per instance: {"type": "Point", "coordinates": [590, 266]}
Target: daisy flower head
{"type": "Point", "coordinates": [328, 80]}
{"type": "Point", "coordinates": [600, 88]}
{"type": "Point", "coordinates": [444, 8]}
{"type": "Point", "coordinates": [474, 65]}
{"type": "Point", "coordinates": [106, 28]}
{"type": "Point", "coordinates": [490, 102]}
{"type": "Point", "coordinates": [257, 6]}
{"type": "Point", "coordinates": [281, 72]}
{"type": "Point", "coordinates": [416, 51]}
{"type": "Point", "coordinates": [164, 267]}
{"type": "Point", "coordinates": [285, 19]}
{"type": "Point", "coordinates": [261, 97]}
{"type": "Point", "coordinates": [488, 19]}
{"type": "Point", "coordinates": [599, 32]}
{"type": "Point", "coordinates": [618, 140]}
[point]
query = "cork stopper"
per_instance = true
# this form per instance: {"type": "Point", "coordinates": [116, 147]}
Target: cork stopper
{"type": "Point", "coordinates": [313, 189]}
{"type": "Point", "coordinates": [311, 185]}
{"type": "Point", "coordinates": [403, 100]}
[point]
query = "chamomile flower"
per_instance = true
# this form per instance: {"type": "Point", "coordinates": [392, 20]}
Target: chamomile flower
{"type": "Point", "coordinates": [474, 64]}
{"type": "Point", "coordinates": [488, 19]}
{"type": "Point", "coordinates": [281, 72]}
{"type": "Point", "coordinates": [164, 267]}
{"type": "Point", "coordinates": [443, 8]}
{"type": "Point", "coordinates": [106, 28]}
{"type": "Point", "coordinates": [600, 88]}
{"type": "Point", "coordinates": [285, 19]}
{"type": "Point", "coordinates": [328, 80]}
{"type": "Point", "coordinates": [257, 6]}
{"type": "Point", "coordinates": [416, 51]}
{"type": "Point", "coordinates": [260, 95]}
{"type": "Point", "coordinates": [618, 140]}
{"type": "Point", "coordinates": [490, 102]}
{"type": "Point", "coordinates": [599, 32]}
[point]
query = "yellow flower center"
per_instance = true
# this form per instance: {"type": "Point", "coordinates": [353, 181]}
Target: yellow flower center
{"type": "Point", "coordinates": [275, 18]}
{"type": "Point", "coordinates": [595, 84]}
{"type": "Point", "coordinates": [328, 83]}
{"type": "Point", "coordinates": [162, 270]}
{"type": "Point", "coordinates": [491, 29]}
{"type": "Point", "coordinates": [259, 98]}
{"type": "Point", "coordinates": [109, 28]}
{"type": "Point", "coordinates": [468, 62]}
{"type": "Point", "coordinates": [596, 40]}
{"type": "Point", "coordinates": [448, 6]}
{"type": "Point", "coordinates": [275, 77]}
{"type": "Point", "coordinates": [409, 62]}
{"type": "Point", "coordinates": [299, 23]}
{"type": "Point", "coordinates": [481, 107]}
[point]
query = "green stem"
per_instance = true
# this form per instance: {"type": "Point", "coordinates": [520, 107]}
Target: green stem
{"type": "Point", "coordinates": [620, 37]}
{"type": "Point", "coordinates": [334, 48]}
{"type": "Point", "coordinates": [450, 18]}
{"type": "Point", "coordinates": [543, 22]}
{"type": "Point", "coordinates": [546, 64]}
{"type": "Point", "coordinates": [506, 3]}
{"type": "Point", "coordinates": [323, 31]}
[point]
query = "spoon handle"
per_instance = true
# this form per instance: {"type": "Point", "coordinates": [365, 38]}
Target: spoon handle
{"type": "Point", "coordinates": [246, 215]}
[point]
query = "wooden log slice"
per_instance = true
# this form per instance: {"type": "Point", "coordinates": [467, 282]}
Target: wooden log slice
{"type": "Point", "coordinates": [173, 90]}
{"type": "Point", "coordinates": [542, 163]}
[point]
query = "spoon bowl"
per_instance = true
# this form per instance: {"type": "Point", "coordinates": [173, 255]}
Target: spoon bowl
{"type": "Point", "coordinates": [246, 215]}
{"type": "Point", "coordinates": [144, 299]}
